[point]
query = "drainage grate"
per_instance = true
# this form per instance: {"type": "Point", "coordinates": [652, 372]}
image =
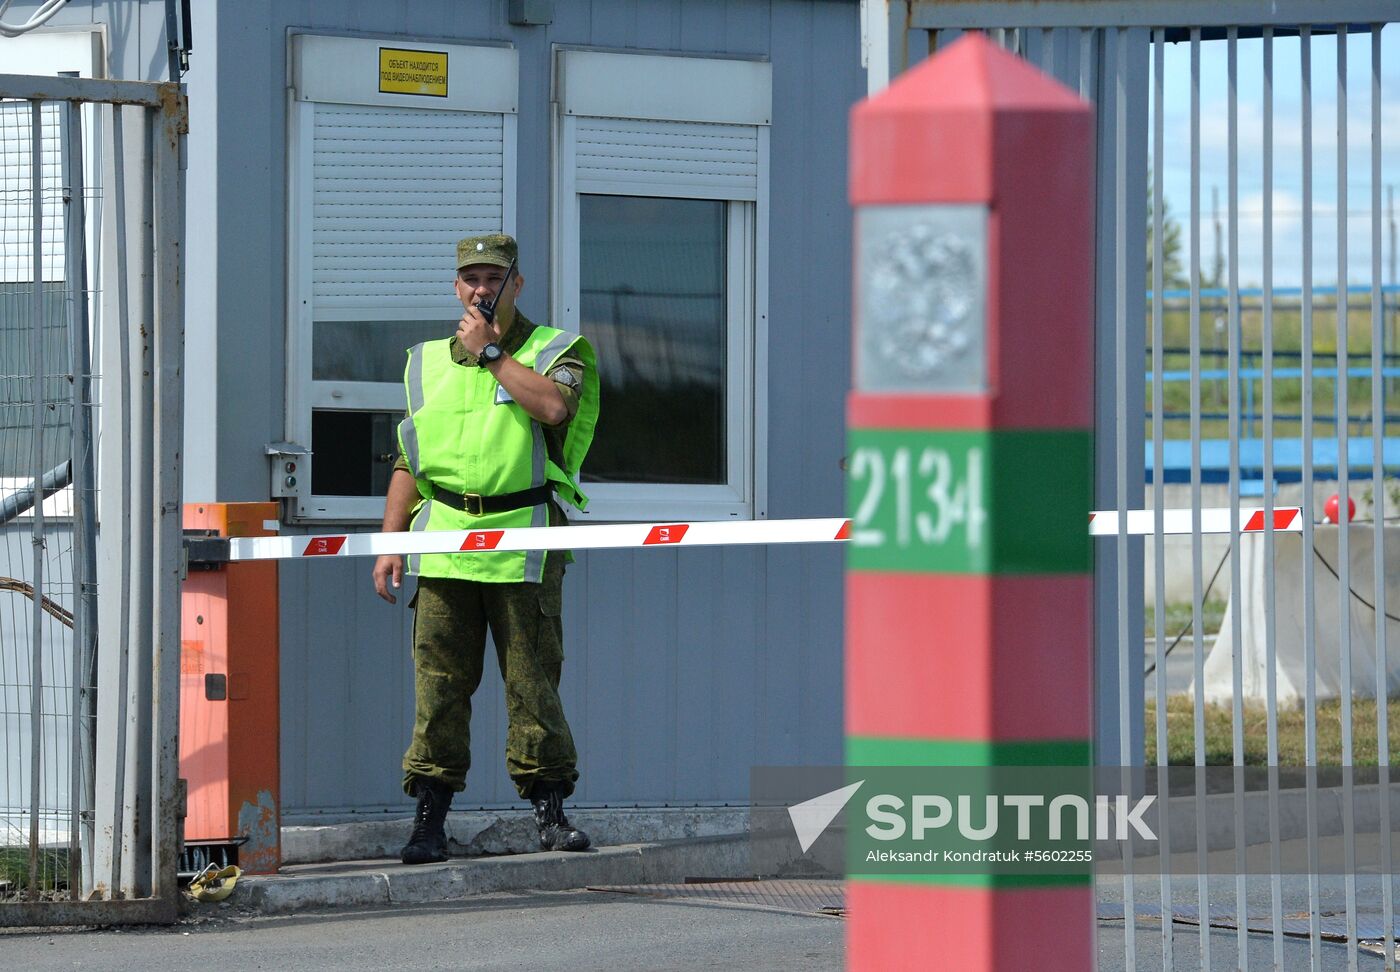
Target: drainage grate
{"type": "Point", "coordinates": [806, 896]}
{"type": "Point", "coordinates": [1333, 927]}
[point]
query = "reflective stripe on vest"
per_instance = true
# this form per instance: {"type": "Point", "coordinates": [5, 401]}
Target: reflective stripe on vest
{"type": "Point", "coordinates": [463, 436]}
{"type": "Point", "coordinates": [413, 384]}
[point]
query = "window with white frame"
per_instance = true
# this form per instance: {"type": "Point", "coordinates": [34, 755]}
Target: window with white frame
{"type": "Point", "coordinates": [660, 253]}
{"type": "Point", "coordinates": [396, 151]}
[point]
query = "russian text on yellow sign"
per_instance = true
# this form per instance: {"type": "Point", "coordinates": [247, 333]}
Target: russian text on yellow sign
{"type": "Point", "coordinates": [413, 72]}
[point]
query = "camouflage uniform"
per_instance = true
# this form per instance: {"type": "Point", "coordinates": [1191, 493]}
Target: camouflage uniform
{"type": "Point", "coordinates": [451, 620]}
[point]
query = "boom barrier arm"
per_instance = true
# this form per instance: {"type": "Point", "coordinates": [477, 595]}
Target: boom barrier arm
{"type": "Point", "coordinates": [210, 550]}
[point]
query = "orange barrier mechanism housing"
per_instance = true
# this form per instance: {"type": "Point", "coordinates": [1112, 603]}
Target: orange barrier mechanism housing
{"type": "Point", "coordinates": [229, 707]}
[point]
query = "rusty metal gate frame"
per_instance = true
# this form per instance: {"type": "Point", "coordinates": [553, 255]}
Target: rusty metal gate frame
{"type": "Point", "coordinates": [139, 504]}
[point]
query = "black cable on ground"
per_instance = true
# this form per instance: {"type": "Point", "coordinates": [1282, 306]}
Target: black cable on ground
{"type": "Point", "coordinates": [1318, 553]}
{"type": "Point", "coordinates": [1190, 624]}
{"type": "Point", "coordinates": [1333, 571]}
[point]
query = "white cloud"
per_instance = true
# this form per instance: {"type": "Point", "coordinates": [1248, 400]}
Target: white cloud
{"type": "Point", "coordinates": [1288, 131]}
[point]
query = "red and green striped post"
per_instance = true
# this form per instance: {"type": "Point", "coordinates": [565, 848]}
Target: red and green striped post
{"type": "Point", "coordinates": [968, 583]}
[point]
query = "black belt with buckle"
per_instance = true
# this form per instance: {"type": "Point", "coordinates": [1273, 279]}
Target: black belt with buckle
{"type": "Point", "coordinates": [474, 504]}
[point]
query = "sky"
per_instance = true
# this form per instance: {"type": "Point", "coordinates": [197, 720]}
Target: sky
{"type": "Point", "coordinates": [1287, 156]}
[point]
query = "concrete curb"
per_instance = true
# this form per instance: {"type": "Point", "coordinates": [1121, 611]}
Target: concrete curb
{"type": "Point", "coordinates": [388, 882]}
{"type": "Point", "coordinates": [487, 832]}
{"type": "Point", "coordinates": [495, 850]}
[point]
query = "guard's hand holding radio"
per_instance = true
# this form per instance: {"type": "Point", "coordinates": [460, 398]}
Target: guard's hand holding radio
{"type": "Point", "coordinates": [473, 334]}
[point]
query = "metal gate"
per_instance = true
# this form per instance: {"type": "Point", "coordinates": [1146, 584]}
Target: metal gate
{"type": "Point", "coordinates": [91, 350]}
{"type": "Point", "coordinates": [1280, 398]}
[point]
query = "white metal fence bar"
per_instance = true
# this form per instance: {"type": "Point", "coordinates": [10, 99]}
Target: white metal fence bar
{"type": "Point", "coordinates": [1343, 403]}
{"type": "Point", "coordinates": [1086, 41]}
{"type": "Point", "coordinates": [1236, 582]}
{"type": "Point", "coordinates": [1159, 466]}
{"type": "Point", "coordinates": [1309, 582]}
{"type": "Point", "coordinates": [1197, 594]}
{"type": "Point", "coordinates": [167, 431]}
{"type": "Point", "coordinates": [118, 385]}
{"type": "Point", "coordinates": [36, 367]}
{"type": "Point", "coordinates": [138, 702]}
{"type": "Point", "coordinates": [1271, 674]}
{"type": "Point", "coordinates": [82, 725]}
{"type": "Point", "coordinates": [74, 280]}
{"type": "Point", "coordinates": [1119, 93]}
{"type": "Point", "coordinates": [1378, 483]}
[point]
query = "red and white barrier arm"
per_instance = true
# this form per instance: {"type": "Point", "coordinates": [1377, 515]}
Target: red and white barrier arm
{"type": "Point", "coordinates": [599, 537]}
{"type": "Point", "coordinates": [1213, 520]}
{"type": "Point", "coordinates": [698, 534]}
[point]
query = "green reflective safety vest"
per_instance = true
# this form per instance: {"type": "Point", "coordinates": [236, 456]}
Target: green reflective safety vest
{"type": "Point", "coordinates": [465, 434]}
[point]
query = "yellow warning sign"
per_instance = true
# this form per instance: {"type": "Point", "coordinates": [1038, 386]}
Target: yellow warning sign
{"type": "Point", "coordinates": [413, 72]}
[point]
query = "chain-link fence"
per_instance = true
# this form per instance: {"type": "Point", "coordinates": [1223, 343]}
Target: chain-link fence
{"type": "Point", "coordinates": [45, 374]}
{"type": "Point", "coordinates": [91, 345]}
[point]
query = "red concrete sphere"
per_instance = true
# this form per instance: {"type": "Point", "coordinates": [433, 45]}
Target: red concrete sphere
{"type": "Point", "coordinates": [1333, 507]}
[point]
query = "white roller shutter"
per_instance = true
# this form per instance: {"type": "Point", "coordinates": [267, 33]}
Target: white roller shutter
{"type": "Point", "coordinates": [383, 180]}
{"type": "Point", "coordinates": [664, 158]}
{"type": "Point", "coordinates": [393, 189]}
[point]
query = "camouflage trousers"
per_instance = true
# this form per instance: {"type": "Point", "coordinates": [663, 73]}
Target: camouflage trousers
{"type": "Point", "coordinates": [450, 621]}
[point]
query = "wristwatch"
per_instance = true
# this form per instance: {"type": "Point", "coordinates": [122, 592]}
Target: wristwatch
{"type": "Point", "coordinates": [489, 354]}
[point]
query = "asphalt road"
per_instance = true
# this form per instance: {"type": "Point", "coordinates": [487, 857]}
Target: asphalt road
{"type": "Point", "coordinates": [588, 930]}
{"type": "Point", "coordinates": [1224, 951]}
{"type": "Point", "coordinates": [573, 930]}
{"type": "Point", "coordinates": [1181, 665]}
{"type": "Point", "coordinates": [1224, 943]}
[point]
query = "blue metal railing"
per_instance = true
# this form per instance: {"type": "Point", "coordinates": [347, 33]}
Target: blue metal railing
{"type": "Point", "coordinates": [1287, 452]}
{"type": "Point", "coordinates": [1361, 290]}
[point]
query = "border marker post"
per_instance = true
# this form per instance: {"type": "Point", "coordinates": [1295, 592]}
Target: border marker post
{"type": "Point", "coordinates": [969, 583]}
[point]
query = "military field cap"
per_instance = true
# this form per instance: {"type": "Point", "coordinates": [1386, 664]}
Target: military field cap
{"type": "Point", "coordinates": [495, 248]}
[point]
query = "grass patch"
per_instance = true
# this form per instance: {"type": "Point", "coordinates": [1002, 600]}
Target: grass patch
{"type": "Point", "coordinates": [14, 870]}
{"type": "Point", "coordinates": [1292, 745]}
{"type": "Point", "coordinates": [1288, 392]}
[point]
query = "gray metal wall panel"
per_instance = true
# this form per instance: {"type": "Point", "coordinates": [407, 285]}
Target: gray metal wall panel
{"type": "Point", "coordinates": [203, 385]}
{"type": "Point", "coordinates": [809, 287]}
{"type": "Point", "coordinates": [701, 692]}
{"type": "Point", "coordinates": [683, 668]}
{"type": "Point", "coordinates": [135, 32]}
{"type": "Point", "coordinates": [135, 35]}
{"type": "Point", "coordinates": [346, 685]}
{"type": "Point", "coordinates": [252, 251]}
{"type": "Point", "coordinates": [809, 261]}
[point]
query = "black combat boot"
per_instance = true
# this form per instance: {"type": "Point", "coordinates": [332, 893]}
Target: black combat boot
{"type": "Point", "coordinates": [428, 842]}
{"type": "Point", "coordinates": [556, 833]}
